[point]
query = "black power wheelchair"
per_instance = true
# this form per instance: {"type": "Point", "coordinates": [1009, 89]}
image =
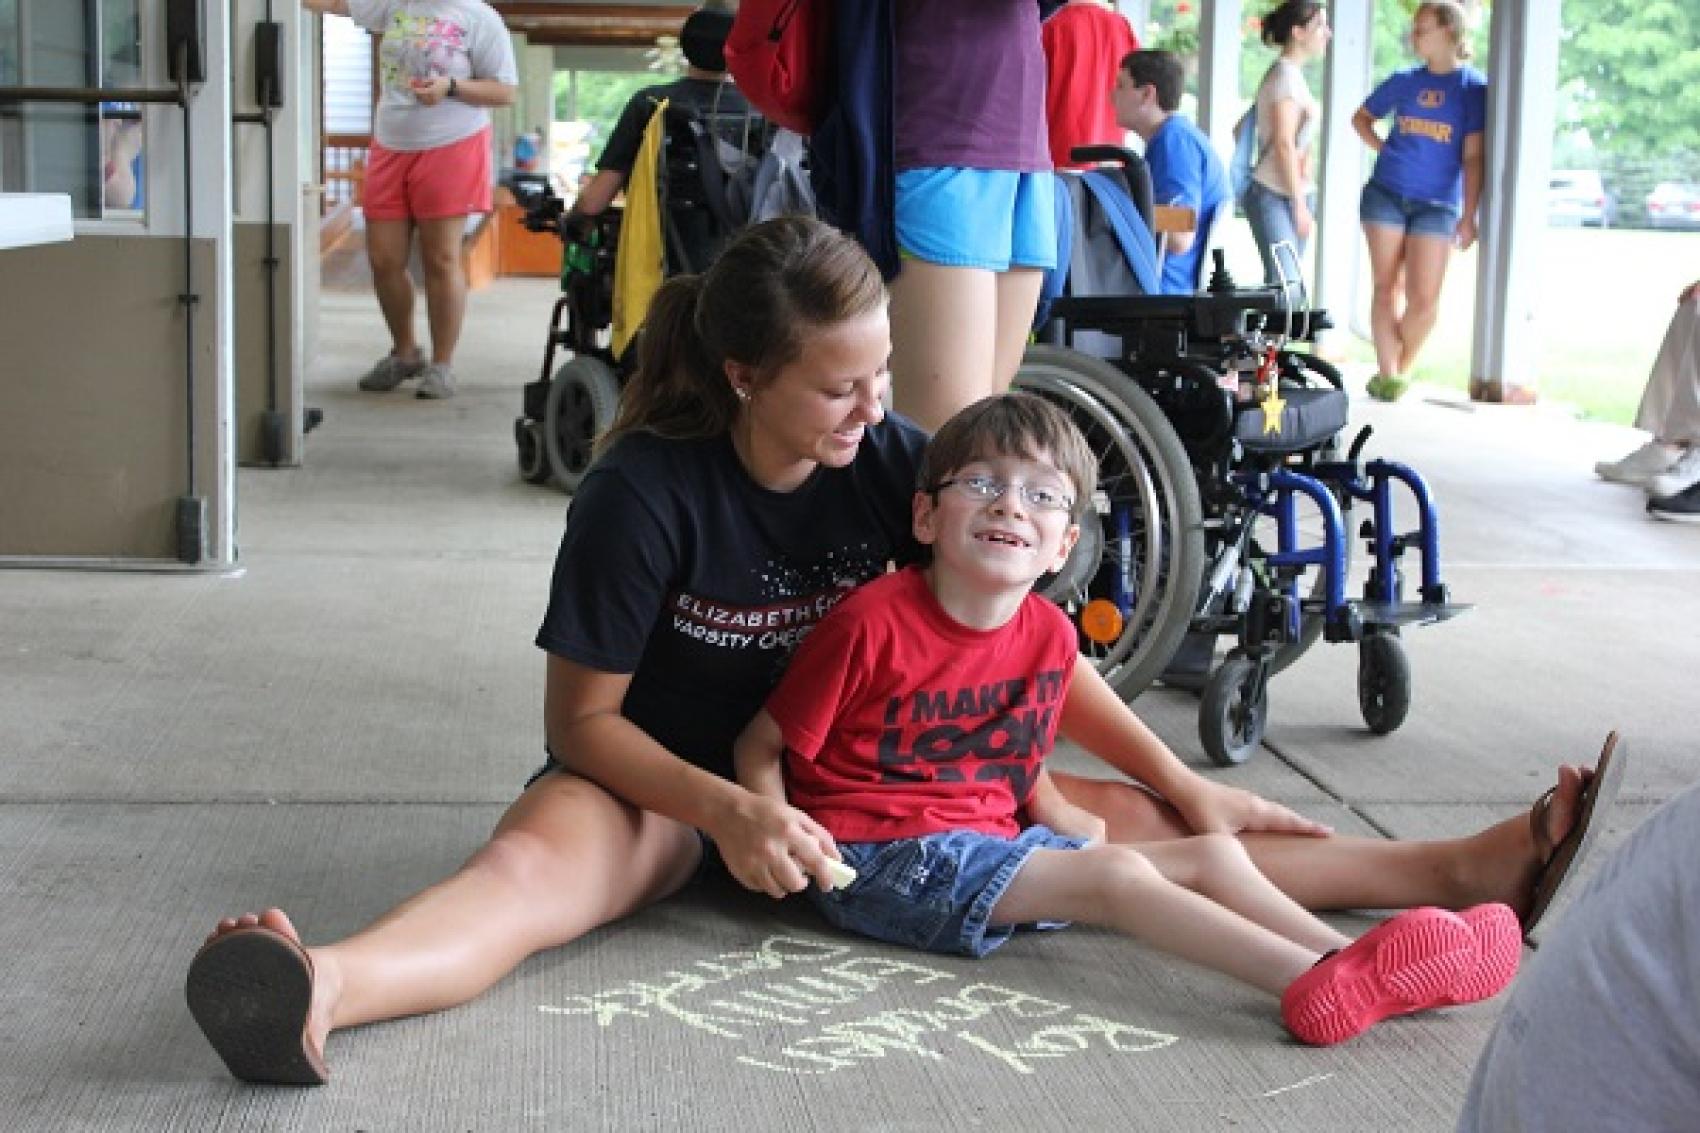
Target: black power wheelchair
{"type": "Point", "coordinates": [714, 167]}
{"type": "Point", "coordinates": [1224, 497]}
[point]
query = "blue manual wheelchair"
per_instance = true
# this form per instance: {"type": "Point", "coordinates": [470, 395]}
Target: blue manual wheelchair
{"type": "Point", "coordinates": [1224, 503]}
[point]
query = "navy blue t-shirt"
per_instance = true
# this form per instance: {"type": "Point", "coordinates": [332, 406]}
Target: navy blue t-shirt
{"type": "Point", "coordinates": [679, 569]}
{"type": "Point", "coordinates": [700, 95]}
{"type": "Point", "coordinates": [1432, 115]}
{"type": "Point", "coordinates": [1186, 171]}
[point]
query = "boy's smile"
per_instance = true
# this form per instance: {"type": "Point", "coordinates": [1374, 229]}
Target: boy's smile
{"type": "Point", "coordinates": [990, 541]}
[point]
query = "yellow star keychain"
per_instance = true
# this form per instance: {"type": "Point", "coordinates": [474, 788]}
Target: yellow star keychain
{"type": "Point", "coordinates": [1273, 404]}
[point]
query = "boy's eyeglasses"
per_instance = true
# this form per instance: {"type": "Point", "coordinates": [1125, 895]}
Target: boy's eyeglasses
{"type": "Point", "coordinates": [985, 489]}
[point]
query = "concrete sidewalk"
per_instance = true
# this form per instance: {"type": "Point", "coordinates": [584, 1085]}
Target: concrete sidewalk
{"type": "Point", "coordinates": [340, 724]}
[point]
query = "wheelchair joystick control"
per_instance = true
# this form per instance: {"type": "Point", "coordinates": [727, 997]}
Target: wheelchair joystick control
{"type": "Point", "coordinates": [1220, 280]}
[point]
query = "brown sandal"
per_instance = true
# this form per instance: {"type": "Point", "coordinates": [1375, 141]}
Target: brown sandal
{"type": "Point", "coordinates": [251, 990]}
{"type": "Point", "coordinates": [1558, 861]}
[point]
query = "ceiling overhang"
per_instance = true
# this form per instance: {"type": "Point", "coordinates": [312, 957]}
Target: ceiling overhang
{"type": "Point", "coordinates": [591, 25]}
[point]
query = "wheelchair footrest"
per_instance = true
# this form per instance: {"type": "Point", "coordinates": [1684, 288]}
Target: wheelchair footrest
{"type": "Point", "coordinates": [1410, 613]}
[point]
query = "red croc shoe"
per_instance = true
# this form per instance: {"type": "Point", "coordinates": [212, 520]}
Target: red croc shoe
{"type": "Point", "coordinates": [1409, 962]}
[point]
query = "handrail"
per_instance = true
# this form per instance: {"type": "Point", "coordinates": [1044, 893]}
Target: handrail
{"type": "Point", "coordinates": [92, 96]}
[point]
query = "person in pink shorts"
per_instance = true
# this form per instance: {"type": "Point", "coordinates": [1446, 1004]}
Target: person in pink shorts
{"type": "Point", "coordinates": [441, 66]}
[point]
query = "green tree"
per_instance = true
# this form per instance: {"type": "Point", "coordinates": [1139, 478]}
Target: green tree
{"type": "Point", "coordinates": [1632, 71]}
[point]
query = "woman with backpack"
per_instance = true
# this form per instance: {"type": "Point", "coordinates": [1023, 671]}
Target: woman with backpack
{"type": "Point", "coordinates": [1421, 199]}
{"type": "Point", "coordinates": [1281, 196]}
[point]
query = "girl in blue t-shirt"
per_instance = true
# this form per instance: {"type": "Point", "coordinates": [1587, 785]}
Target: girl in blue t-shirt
{"type": "Point", "coordinates": [1421, 199]}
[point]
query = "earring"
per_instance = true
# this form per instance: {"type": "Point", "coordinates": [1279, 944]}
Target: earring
{"type": "Point", "coordinates": [743, 394]}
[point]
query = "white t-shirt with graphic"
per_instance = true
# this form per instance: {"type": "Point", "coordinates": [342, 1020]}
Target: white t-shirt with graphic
{"type": "Point", "coordinates": [1284, 80]}
{"type": "Point", "coordinates": [427, 39]}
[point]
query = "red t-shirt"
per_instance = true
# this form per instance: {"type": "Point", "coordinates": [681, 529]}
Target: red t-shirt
{"type": "Point", "coordinates": [901, 722]}
{"type": "Point", "coordinates": [1084, 47]}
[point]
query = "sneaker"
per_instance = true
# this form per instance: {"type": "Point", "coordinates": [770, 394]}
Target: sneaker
{"type": "Point", "coordinates": [389, 373]}
{"type": "Point", "coordinates": [436, 381]}
{"type": "Point", "coordinates": [1383, 387]}
{"type": "Point", "coordinates": [1639, 466]}
{"type": "Point", "coordinates": [1679, 477]}
{"type": "Point", "coordinates": [1684, 507]}
{"type": "Point", "coordinates": [1409, 962]}
{"type": "Point", "coordinates": [1499, 951]}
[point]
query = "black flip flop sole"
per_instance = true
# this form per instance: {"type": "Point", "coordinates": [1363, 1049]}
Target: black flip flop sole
{"type": "Point", "coordinates": [1597, 797]}
{"type": "Point", "coordinates": [250, 991]}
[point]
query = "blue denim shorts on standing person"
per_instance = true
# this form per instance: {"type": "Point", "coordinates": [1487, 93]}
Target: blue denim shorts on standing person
{"type": "Point", "coordinates": [935, 892]}
{"type": "Point", "coordinates": [1381, 205]}
{"type": "Point", "coordinates": [994, 219]}
{"type": "Point", "coordinates": [1271, 217]}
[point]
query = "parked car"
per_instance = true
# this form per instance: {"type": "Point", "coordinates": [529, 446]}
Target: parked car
{"type": "Point", "coordinates": [1578, 196]}
{"type": "Point", "coordinates": [1674, 204]}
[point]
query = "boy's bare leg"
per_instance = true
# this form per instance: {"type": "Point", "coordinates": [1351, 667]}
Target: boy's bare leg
{"type": "Point", "coordinates": [1499, 863]}
{"type": "Point", "coordinates": [565, 858]}
{"type": "Point", "coordinates": [1119, 888]}
{"type": "Point", "coordinates": [1220, 867]}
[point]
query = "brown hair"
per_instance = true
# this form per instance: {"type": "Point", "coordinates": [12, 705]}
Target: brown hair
{"type": "Point", "coordinates": [1450, 18]}
{"type": "Point", "coordinates": [1155, 67]}
{"type": "Point", "coordinates": [1021, 425]}
{"type": "Point", "coordinates": [773, 286]}
{"type": "Point", "coordinates": [1278, 25]}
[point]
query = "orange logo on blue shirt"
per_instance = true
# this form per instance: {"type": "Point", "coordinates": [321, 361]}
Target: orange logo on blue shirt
{"type": "Point", "coordinates": [1431, 99]}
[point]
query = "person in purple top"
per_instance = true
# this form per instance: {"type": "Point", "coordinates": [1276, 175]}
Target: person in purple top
{"type": "Point", "coordinates": [974, 200]}
{"type": "Point", "coordinates": [1421, 199]}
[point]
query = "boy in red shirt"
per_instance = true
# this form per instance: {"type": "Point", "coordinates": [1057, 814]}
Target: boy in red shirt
{"type": "Point", "coordinates": [913, 722]}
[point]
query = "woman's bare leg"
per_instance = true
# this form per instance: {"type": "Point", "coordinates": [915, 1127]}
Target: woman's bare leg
{"type": "Point", "coordinates": [565, 858]}
{"type": "Point", "coordinates": [445, 283]}
{"type": "Point", "coordinates": [943, 340]}
{"type": "Point", "coordinates": [388, 245]}
{"type": "Point", "coordinates": [1386, 259]}
{"type": "Point", "coordinates": [1499, 863]}
{"type": "Point", "coordinates": [1018, 299]}
{"type": "Point", "coordinates": [1426, 258]}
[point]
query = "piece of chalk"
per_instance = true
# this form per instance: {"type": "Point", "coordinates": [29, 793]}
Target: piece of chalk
{"type": "Point", "coordinates": [842, 875]}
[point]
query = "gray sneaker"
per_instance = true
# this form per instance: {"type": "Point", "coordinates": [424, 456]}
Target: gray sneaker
{"type": "Point", "coordinates": [389, 373]}
{"type": "Point", "coordinates": [436, 381]}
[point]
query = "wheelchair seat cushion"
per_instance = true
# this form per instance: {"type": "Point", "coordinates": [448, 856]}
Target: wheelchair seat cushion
{"type": "Point", "coordinates": [1309, 417]}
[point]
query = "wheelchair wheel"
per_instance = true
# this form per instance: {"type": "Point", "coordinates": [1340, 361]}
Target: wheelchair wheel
{"type": "Point", "coordinates": [1233, 711]}
{"type": "Point", "coordinates": [583, 396]}
{"type": "Point", "coordinates": [533, 457]}
{"type": "Point", "coordinates": [1384, 682]}
{"type": "Point", "coordinates": [1132, 581]}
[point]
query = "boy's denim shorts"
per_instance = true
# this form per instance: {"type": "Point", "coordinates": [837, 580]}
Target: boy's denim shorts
{"type": "Point", "coordinates": [1381, 205]}
{"type": "Point", "coordinates": [994, 219]}
{"type": "Point", "coordinates": [935, 892]}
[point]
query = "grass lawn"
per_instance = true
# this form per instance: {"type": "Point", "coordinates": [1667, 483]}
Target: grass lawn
{"type": "Point", "coordinates": [1604, 299]}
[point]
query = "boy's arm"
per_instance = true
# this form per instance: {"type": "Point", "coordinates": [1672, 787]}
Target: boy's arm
{"type": "Point", "coordinates": [757, 755]}
{"type": "Point", "coordinates": [1047, 806]}
{"type": "Point", "coordinates": [1095, 718]}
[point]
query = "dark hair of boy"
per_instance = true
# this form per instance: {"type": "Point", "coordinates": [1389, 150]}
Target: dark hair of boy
{"type": "Point", "coordinates": [1160, 69]}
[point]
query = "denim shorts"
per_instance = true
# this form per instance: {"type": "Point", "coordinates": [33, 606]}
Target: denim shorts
{"type": "Point", "coordinates": [936, 892]}
{"type": "Point", "coordinates": [1381, 205]}
{"type": "Point", "coordinates": [977, 218]}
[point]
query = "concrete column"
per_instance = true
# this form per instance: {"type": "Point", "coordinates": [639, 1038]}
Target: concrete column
{"type": "Point", "coordinates": [1340, 166]}
{"type": "Point", "coordinates": [1219, 34]}
{"type": "Point", "coordinates": [1523, 60]}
